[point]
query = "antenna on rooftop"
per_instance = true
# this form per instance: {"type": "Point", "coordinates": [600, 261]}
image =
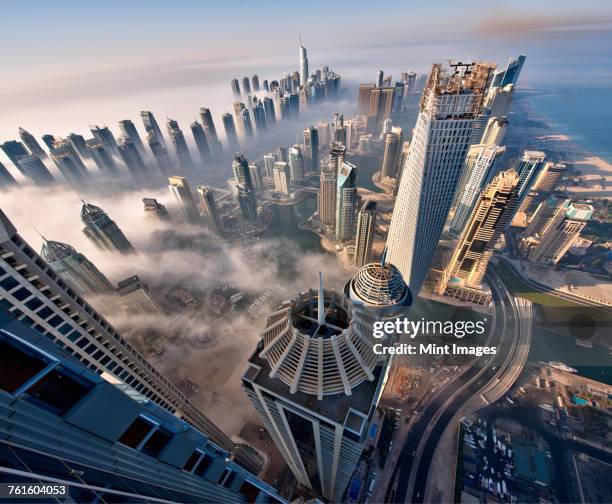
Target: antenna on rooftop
{"type": "Point", "coordinates": [321, 302]}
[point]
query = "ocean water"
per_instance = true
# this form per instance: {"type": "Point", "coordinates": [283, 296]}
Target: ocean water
{"type": "Point", "coordinates": [583, 113]}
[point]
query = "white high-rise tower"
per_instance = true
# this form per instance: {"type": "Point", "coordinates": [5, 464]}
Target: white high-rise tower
{"type": "Point", "coordinates": [303, 64]}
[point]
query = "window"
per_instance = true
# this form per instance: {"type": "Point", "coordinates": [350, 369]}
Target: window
{"type": "Point", "coordinates": [22, 294]}
{"type": "Point", "coordinates": [59, 390]}
{"type": "Point", "coordinates": [229, 479]}
{"type": "Point", "coordinates": [157, 442]}
{"type": "Point", "coordinates": [137, 432]}
{"type": "Point", "coordinates": [195, 456]}
{"type": "Point", "coordinates": [18, 366]}
{"type": "Point", "coordinates": [203, 465]}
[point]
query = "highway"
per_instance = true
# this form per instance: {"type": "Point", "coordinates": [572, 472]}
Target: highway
{"type": "Point", "coordinates": [486, 378]}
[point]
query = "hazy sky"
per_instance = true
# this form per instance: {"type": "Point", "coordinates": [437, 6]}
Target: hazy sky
{"type": "Point", "coordinates": [66, 64]}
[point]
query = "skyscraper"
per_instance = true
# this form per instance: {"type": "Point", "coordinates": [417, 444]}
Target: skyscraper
{"type": "Point", "coordinates": [256, 177]}
{"type": "Point", "coordinates": [201, 142]}
{"type": "Point", "coordinates": [131, 158]}
{"type": "Point", "coordinates": [244, 119]}
{"type": "Point", "coordinates": [260, 116]}
{"type": "Point", "coordinates": [69, 164]}
{"type": "Point", "coordinates": [230, 130]}
{"type": "Point", "coordinates": [6, 179]}
{"type": "Point", "coordinates": [242, 174]}
{"type": "Point", "coordinates": [136, 298]}
{"type": "Point", "coordinates": [247, 204]}
{"type": "Point", "coordinates": [255, 82]}
{"type": "Point", "coordinates": [296, 163]}
{"type": "Point", "coordinates": [311, 148]}
{"type": "Point", "coordinates": [104, 162]}
{"type": "Point", "coordinates": [34, 169]}
{"type": "Point", "coordinates": [78, 143]}
{"type": "Point", "coordinates": [128, 130]}
{"type": "Point", "coordinates": [48, 140]}
{"type": "Point", "coordinates": [269, 164]}
{"type": "Point", "coordinates": [210, 130]}
{"type": "Point", "coordinates": [154, 208]}
{"type": "Point", "coordinates": [235, 88]}
{"type": "Point", "coordinates": [32, 144]}
{"type": "Point", "coordinates": [102, 230]}
{"type": "Point", "coordinates": [268, 105]}
{"type": "Point", "coordinates": [182, 192]}
{"type": "Point", "coordinates": [529, 167]}
{"type": "Point", "coordinates": [328, 187]}
{"type": "Point", "coordinates": [550, 177]}
{"type": "Point", "coordinates": [105, 136]}
{"type": "Point", "coordinates": [14, 150]}
{"type": "Point", "coordinates": [282, 178]}
{"type": "Point", "coordinates": [495, 131]}
{"type": "Point", "coordinates": [246, 86]}
{"type": "Point", "coordinates": [392, 153]}
{"type": "Point", "coordinates": [503, 85]}
{"type": "Point", "coordinates": [159, 152]}
{"type": "Point", "coordinates": [33, 293]}
{"type": "Point", "coordinates": [338, 134]}
{"type": "Point", "coordinates": [323, 131]}
{"type": "Point", "coordinates": [450, 106]}
{"type": "Point", "coordinates": [75, 269]}
{"type": "Point", "coordinates": [366, 225]}
{"type": "Point", "coordinates": [180, 145]}
{"type": "Point", "coordinates": [150, 125]}
{"type": "Point", "coordinates": [211, 210]}
{"type": "Point", "coordinates": [303, 65]}
{"type": "Point", "coordinates": [346, 201]}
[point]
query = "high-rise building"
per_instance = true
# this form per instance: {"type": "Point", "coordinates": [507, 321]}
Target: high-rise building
{"type": "Point", "coordinates": [255, 82]}
{"type": "Point", "coordinates": [482, 163]}
{"type": "Point", "coordinates": [123, 448]}
{"type": "Point", "coordinates": [323, 131]}
{"type": "Point", "coordinates": [503, 84]}
{"type": "Point", "coordinates": [136, 298]}
{"type": "Point", "coordinates": [346, 201]}
{"type": "Point", "coordinates": [282, 178]}
{"type": "Point", "coordinates": [296, 163]}
{"type": "Point", "coordinates": [246, 86]}
{"type": "Point", "coordinates": [380, 76]}
{"type": "Point", "coordinates": [338, 133]}
{"type": "Point", "coordinates": [381, 106]}
{"type": "Point", "coordinates": [311, 148]}
{"type": "Point", "coordinates": [247, 204]}
{"type": "Point", "coordinates": [495, 131]}
{"type": "Point", "coordinates": [75, 269]}
{"type": "Point", "coordinates": [182, 192]}
{"type": "Point", "coordinates": [128, 130]}
{"type": "Point", "coordinates": [105, 136]}
{"type": "Point", "coordinates": [269, 164]}
{"type": "Point", "coordinates": [282, 154]}
{"type": "Point", "coordinates": [266, 87]}
{"type": "Point", "coordinates": [201, 141]}
{"type": "Point", "coordinates": [259, 114]}
{"type": "Point", "coordinates": [211, 209]}
{"type": "Point", "coordinates": [256, 177]}
{"type": "Point", "coordinates": [69, 164]}
{"type": "Point", "coordinates": [268, 105]}
{"type": "Point", "coordinates": [550, 177]}
{"type": "Point", "coordinates": [471, 255]}
{"type": "Point", "coordinates": [131, 158]}
{"type": "Point", "coordinates": [34, 169]}
{"type": "Point", "coordinates": [230, 130]}
{"type": "Point", "coordinates": [159, 152]}
{"type": "Point", "coordinates": [151, 125]}
{"type": "Point", "coordinates": [554, 228]}
{"type": "Point", "coordinates": [366, 225]}
{"type": "Point", "coordinates": [315, 381]}
{"type": "Point", "coordinates": [180, 145]}
{"type": "Point", "coordinates": [33, 293]}
{"type": "Point", "coordinates": [236, 88]}
{"type": "Point", "coordinates": [244, 119]}
{"type": "Point", "coordinates": [78, 143]}
{"type": "Point", "coordinates": [529, 167]}
{"type": "Point", "coordinates": [303, 65]}
{"type": "Point", "coordinates": [14, 150]}
{"type": "Point", "coordinates": [102, 230]}
{"type": "Point", "coordinates": [450, 106]}
{"type": "Point", "coordinates": [31, 143]}
{"type": "Point", "coordinates": [154, 208]}
{"type": "Point", "coordinates": [49, 140]}
{"type": "Point", "coordinates": [6, 179]}
{"type": "Point", "coordinates": [210, 130]}
{"type": "Point", "coordinates": [242, 174]}
{"type": "Point", "coordinates": [392, 153]}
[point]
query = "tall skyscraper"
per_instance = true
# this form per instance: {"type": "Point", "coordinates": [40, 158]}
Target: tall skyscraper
{"type": "Point", "coordinates": [6, 179]}
{"type": "Point", "coordinates": [529, 167]}
{"type": "Point", "coordinates": [554, 228]}
{"type": "Point", "coordinates": [323, 131]}
{"type": "Point", "coordinates": [180, 145]}
{"type": "Point", "coordinates": [503, 85]}
{"type": "Point", "coordinates": [33, 293]}
{"type": "Point", "coordinates": [255, 82]}
{"type": "Point", "coordinates": [550, 177]}
{"type": "Point", "coordinates": [379, 78]}
{"type": "Point", "coordinates": [236, 88]}
{"type": "Point", "coordinates": [268, 105]}
{"type": "Point", "coordinates": [105, 136]}
{"type": "Point", "coordinates": [78, 143]}
{"type": "Point", "coordinates": [154, 208]}
{"type": "Point", "coordinates": [124, 447]}
{"type": "Point", "coordinates": [328, 187]}
{"type": "Point", "coordinates": [150, 125]}
{"type": "Point", "coordinates": [269, 164]}
{"type": "Point", "coordinates": [159, 152]}
{"type": "Point", "coordinates": [211, 209]}
{"type": "Point", "coordinates": [34, 169]}
{"type": "Point", "coordinates": [311, 148]}
{"type": "Point", "coordinates": [247, 204]}
{"type": "Point", "coordinates": [131, 158]}
{"type": "Point", "coordinates": [319, 415]}
{"type": "Point", "coordinates": [296, 163]}
{"type": "Point", "coordinates": [246, 86]}
{"type": "Point", "coordinates": [242, 174]}
{"type": "Point", "coordinates": [450, 106]}
{"type": "Point", "coordinates": [104, 162]}
{"type": "Point", "coordinates": [31, 143]}
{"type": "Point", "coordinates": [230, 130]}
{"type": "Point", "coordinates": [69, 164]}
{"type": "Point", "coordinates": [338, 133]}
{"type": "Point", "coordinates": [14, 150]}
{"type": "Point", "coordinates": [182, 192]}
{"type": "Point", "coordinates": [128, 130]}
{"type": "Point", "coordinates": [495, 131]}
{"type": "Point", "coordinates": [471, 255]}
{"type": "Point", "coordinates": [201, 142]}
{"type": "Point", "coordinates": [256, 177]}
{"type": "Point", "coordinates": [303, 65]}
{"type": "Point", "coordinates": [75, 269]}
{"type": "Point", "coordinates": [244, 119]}
{"type": "Point", "coordinates": [210, 130]}
{"type": "Point", "coordinates": [366, 225]}
{"type": "Point", "coordinates": [392, 153]}
{"type": "Point", "coordinates": [282, 178]}
{"type": "Point", "coordinates": [136, 298]}
{"type": "Point", "coordinates": [482, 163]}
{"type": "Point", "coordinates": [49, 140]}
{"type": "Point", "coordinates": [259, 115]}
{"type": "Point", "coordinates": [346, 201]}
{"type": "Point", "coordinates": [102, 230]}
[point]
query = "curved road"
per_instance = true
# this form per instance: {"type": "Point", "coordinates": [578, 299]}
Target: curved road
{"type": "Point", "coordinates": [409, 480]}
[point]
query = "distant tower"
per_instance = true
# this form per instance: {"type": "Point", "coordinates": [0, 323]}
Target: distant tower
{"type": "Point", "coordinates": [311, 148]}
{"type": "Point", "coordinates": [268, 105]}
{"type": "Point", "coordinates": [379, 78]}
{"type": "Point", "coordinates": [159, 152]}
{"type": "Point", "coordinates": [366, 226]}
{"type": "Point", "coordinates": [266, 87]}
{"type": "Point", "coordinates": [296, 163]}
{"type": "Point", "coordinates": [211, 209]}
{"type": "Point", "coordinates": [550, 177]}
{"type": "Point", "coordinates": [282, 178]}
{"type": "Point", "coordinates": [151, 125]}
{"type": "Point", "coordinates": [102, 230]}
{"type": "Point", "coordinates": [247, 204]}
{"type": "Point", "coordinates": [303, 64]}
{"type": "Point", "coordinates": [255, 82]}
{"type": "Point", "coordinates": [34, 169]}
{"type": "Point", "coordinates": [6, 179]}
{"type": "Point", "coordinates": [346, 201]}
{"type": "Point", "coordinates": [131, 158]}
{"type": "Point", "coordinates": [244, 119]}
{"type": "Point", "coordinates": [230, 130]}
{"type": "Point", "coordinates": [256, 177]}
{"type": "Point", "coordinates": [201, 142]}
{"type": "Point", "coordinates": [79, 144]}
{"type": "Point", "coordinates": [392, 153]}
{"type": "Point", "coordinates": [155, 209]}
{"type": "Point", "coordinates": [14, 150]}
{"type": "Point", "coordinates": [259, 114]}
{"type": "Point", "coordinates": [182, 192]}
{"type": "Point", "coordinates": [136, 298]}
{"type": "Point", "coordinates": [210, 130]}
{"type": "Point", "coordinates": [32, 144]}
{"type": "Point", "coordinates": [69, 164]}
{"type": "Point", "coordinates": [105, 136]}
{"type": "Point", "coordinates": [328, 186]}
{"type": "Point", "coordinates": [180, 145]}
{"type": "Point", "coordinates": [323, 131]}
{"type": "Point", "coordinates": [246, 86]}
{"type": "Point", "coordinates": [242, 174]}
{"type": "Point", "coordinates": [129, 131]}
{"type": "Point", "coordinates": [494, 131]}
{"type": "Point", "coordinates": [236, 88]}
{"type": "Point", "coordinates": [76, 269]}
